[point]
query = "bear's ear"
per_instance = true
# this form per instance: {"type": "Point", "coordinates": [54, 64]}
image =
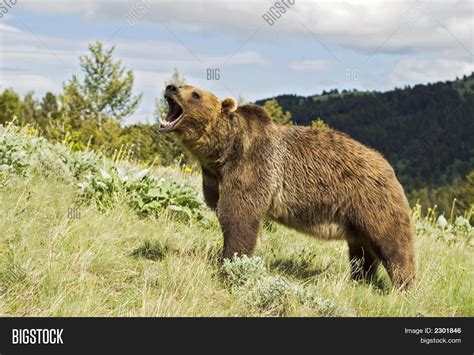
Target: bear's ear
{"type": "Point", "coordinates": [229, 104]}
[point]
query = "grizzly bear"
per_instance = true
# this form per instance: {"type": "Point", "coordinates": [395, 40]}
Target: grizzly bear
{"type": "Point", "coordinates": [317, 181]}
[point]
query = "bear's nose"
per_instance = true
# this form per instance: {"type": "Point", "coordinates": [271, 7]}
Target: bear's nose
{"type": "Point", "coordinates": [172, 89]}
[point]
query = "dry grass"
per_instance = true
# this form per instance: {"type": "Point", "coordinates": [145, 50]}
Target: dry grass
{"type": "Point", "coordinates": [116, 264]}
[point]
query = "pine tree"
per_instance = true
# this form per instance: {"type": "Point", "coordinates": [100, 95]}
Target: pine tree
{"type": "Point", "coordinates": [49, 106]}
{"type": "Point", "coordinates": [105, 92]}
{"type": "Point", "coordinates": [29, 108]}
{"type": "Point", "coordinates": [277, 114]}
{"type": "Point", "coordinates": [318, 123]}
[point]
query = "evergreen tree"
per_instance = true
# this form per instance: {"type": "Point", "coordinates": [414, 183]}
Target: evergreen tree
{"type": "Point", "coordinates": [318, 123]}
{"type": "Point", "coordinates": [10, 106]}
{"type": "Point", "coordinates": [105, 92]}
{"type": "Point", "coordinates": [29, 108]}
{"type": "Point", "coordinates": [49, 106]}
{"type": "Point", "coordinates": [277, 114]}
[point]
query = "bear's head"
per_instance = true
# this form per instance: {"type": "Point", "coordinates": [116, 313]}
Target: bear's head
{"type": "Point", "coordinates": [193, 112]}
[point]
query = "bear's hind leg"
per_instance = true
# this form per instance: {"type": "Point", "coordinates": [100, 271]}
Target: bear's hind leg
{"type": "Point", "coordinates": [400, 266]}
{"type": "Point", "coordinates": [394, 248]}
{"type": "Point", "coordinates": [364, 264]}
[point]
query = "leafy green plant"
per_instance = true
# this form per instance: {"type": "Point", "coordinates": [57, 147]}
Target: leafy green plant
{"type": "Point", "coordinates": [13, 153]}
{"type": "Point", "coordinates": [143, 192]}
{"type": "Point", "coordinates": [459, 230]}
{"type": "Point", "coordinates": [102, 188]}
{"type": "Point", "coordinates": [82, 162]}
{"type": "Point", "coordinates": [453, 230]}
{"type": "Point", "coordinates": [163, 194]}
{"type": "Point", "coordinates": [99, 181]}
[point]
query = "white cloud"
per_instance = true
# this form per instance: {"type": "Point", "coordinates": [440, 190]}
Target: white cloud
{"type": "Point", "coordinates": [150, 79]}
{"type": "Point", "coordinates": [58, 7]}
{"type": "Point", "coordinates": [7, 28]}
{"type": "Point", "coordinates": [59, 56]}
{"type": "Point", "coordinates": [365, 25]}
{"type": "Point", "coordinates": [412, 70]}
{"type": "Point", "coordinates": [309, 64]}
{"type": "Point", "coordinates": [419, 32]}
{"type": "Point", "coordinates": [24, 83]}
{"type": "Point", "coordinates": [22, 46]}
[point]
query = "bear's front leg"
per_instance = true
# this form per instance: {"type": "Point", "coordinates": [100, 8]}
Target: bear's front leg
{"type": "Point", "coordinates": [240, 214]}
{"type": "Point", "coordinates": [240, 234]}
{"type": "Point", "coordinates": [210, 187]}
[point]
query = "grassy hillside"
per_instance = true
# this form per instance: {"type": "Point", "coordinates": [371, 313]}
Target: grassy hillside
{"type": "Point", "coordinates": [83, 236]}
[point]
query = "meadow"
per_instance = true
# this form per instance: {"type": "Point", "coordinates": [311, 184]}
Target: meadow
{"type": "Point", "coordinates": [82, 235]}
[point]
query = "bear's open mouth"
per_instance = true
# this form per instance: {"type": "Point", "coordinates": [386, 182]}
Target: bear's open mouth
{"type": "Point", "coordinates": [175, 112]}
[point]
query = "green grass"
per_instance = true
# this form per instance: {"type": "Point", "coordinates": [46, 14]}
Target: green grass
{"type": "Point", "coordinates": [115, 263]}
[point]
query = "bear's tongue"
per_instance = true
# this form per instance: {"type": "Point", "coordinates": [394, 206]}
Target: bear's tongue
{"type": "Point", "coordinates": [174, 111]}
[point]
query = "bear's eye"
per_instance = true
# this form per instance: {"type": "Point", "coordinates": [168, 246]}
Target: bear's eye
{"type": "Point", "coordinates": [195, 95]}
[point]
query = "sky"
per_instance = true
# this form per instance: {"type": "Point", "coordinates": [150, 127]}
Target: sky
{"type": "Point", "coordinates": [259, 49]}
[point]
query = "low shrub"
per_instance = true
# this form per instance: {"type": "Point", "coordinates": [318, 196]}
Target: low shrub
{"type": "Point", "coordinates": [248, 278]}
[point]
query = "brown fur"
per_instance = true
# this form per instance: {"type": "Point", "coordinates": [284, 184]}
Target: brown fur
{"type": "Point", "coordinates": [317, 181]}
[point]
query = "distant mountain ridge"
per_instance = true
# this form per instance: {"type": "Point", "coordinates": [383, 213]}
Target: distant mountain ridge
{"type": "Point", "coordinates": [425, 131]}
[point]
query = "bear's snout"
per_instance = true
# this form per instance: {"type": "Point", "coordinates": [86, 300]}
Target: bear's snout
{"type": "Point", "coordinates": [171, 89]}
